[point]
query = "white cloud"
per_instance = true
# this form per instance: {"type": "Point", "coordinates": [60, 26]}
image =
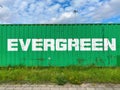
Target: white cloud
{"type": "Point", "coordinates": [47, 11]}
{"type": "Point", "coordinates": [107, 10]}
{"type": "Point", "coordinates": [1, 1]}
{"type": "Point", "coordinates": [66, 17]}
{"type": "Point", "coordinates": [95, 11]}
{"type": "Point", "coordinates": [61, 1]}
{"type": "Point", "coordinates": [4, 13]}
{"type": "Point", "coordinates": [53, 9]}
{"type": "Point", "coordinates": [78, 3]}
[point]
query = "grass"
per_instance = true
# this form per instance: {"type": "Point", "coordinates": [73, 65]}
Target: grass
{"type": "Point", "coordinates": [59, 75]}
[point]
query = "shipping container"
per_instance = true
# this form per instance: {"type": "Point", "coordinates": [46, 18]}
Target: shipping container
{"type": "Point", "coordinates": [60, 45]}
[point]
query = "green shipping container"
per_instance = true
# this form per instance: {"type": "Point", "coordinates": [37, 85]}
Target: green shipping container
{"type": "Point", "coordinates": [60, 45]}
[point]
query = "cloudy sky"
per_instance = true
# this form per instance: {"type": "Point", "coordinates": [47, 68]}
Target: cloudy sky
{"type": "Point", "coordinates": [59, 11]}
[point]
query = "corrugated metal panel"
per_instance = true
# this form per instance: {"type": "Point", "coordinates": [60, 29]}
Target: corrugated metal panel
{"type": "Point", "coordinates": [58, 58]}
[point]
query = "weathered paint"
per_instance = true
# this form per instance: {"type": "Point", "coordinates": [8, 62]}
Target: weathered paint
{"type": "Point", "coordinates": [25, 53]}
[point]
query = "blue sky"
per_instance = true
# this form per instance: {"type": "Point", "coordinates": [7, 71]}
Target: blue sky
{"type": "Point", "coordinates": [59, 11]}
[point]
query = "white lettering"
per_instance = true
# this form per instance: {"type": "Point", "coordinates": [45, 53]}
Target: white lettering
{"type": "Point", "coordinates": [107, 44]}
{"type": "Point", "coordinates": [85, 44]}
{"type": "Point", "coordinates": [24, 46]}
{"type": "Point", "coordinates": [73, 43]}
{"type": "Point", "coordinates": [12, 44]}
{"type": "Point", "coordinates": [97, 44]}
{"type": "Point", "coordinates": [37, 44]}
{"type": "Point", "coordinates": [49, 43]}
{"type": "Point", "coordinates": [61, 45]}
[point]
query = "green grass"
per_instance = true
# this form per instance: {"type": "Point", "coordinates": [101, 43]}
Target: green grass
{"type": "Point", "coordinates": [60, 76]}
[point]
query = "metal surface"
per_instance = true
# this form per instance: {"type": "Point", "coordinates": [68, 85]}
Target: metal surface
{"type": "Point", "coordinates": [58, 58]}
